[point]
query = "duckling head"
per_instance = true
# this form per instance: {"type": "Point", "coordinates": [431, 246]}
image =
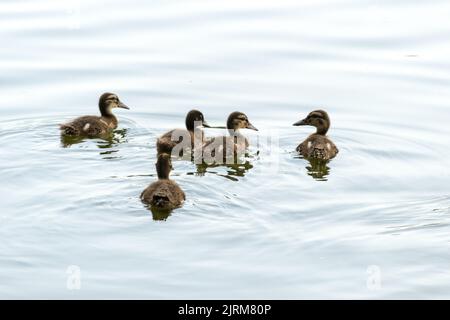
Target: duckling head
{"type": "Point", "coordinates": [163, 165]}
{"type": "Point", "coordinates": [318, 119]}
{"type": "Point", "coordinates": [109, 101]}
{"type": "Point", "coordinates": [194, 119]}
{"type": "Point", "coordinates": [238, 120]}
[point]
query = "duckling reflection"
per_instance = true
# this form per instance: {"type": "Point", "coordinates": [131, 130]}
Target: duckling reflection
{"type": "Point", "coordinates": [95, 126]}
{"type": "Point", "coordinates": [233, 170]}
{"type": "Point", "coordinates": [105, 142]}
{"type": "Point", "coordinates": [159, 214]}
{"type": "Point", "coordinates": [68, 141]}
{"type": "Point", "coordinates": [163, 194]}
{"type": "Point", "coordinates": [318, 169]}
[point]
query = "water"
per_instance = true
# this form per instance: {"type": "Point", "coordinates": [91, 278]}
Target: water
{"type": "Point", "coordinates": [373, 223]}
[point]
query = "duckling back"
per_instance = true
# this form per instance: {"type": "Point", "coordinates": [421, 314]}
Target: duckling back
{"type": "Point", "coordinates": [89, 126]}
{"type": "Point", "coordinates": [164, 194]}
{"type": "Point", "coordinates": [223, 148]}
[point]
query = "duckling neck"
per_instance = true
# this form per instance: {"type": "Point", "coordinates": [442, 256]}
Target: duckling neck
{"type": "Point", "coordinates": [192, 131]}
{"type": "Point", "coordinates": [163, 169]}
{"type": "Point", "coordinates": [234, 133]}
{"type": "Point", "coordinates": [322, 131]}
{"type": "Point", "coordinates": [109, 117]}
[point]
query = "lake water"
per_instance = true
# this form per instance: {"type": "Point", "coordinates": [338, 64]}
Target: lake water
{"type": "Point", "coordinates": [373, 223]}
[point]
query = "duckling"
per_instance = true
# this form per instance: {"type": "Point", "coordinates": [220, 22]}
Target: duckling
{"type": "Point", "coordinates": [165, 193]}
{"type": "Point", "coordinates": [92, 126]}
{"type": "Point", "coordinates": [234, 143]}
{"type": "Point", "coordinates": [317, 145]}
{"type": "Point", "coordinates": [194, 119]}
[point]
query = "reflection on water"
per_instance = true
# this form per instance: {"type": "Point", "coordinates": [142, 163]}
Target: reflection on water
{"type": "Point", "coordinates": [107, 141]}
{"type": "Point", "coordinates": [318, 169]}
{"type": "Point", "coordinates": [159, 214]}
{"type": "Point", "coordinates": [234, 170]}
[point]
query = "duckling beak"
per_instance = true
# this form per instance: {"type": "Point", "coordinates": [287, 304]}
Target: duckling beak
{"type": "Point", "coordinates": [205, 124]}
{"type": "Point", "coordinates": [122, 105]}
{"type": "Point", "coordinates": [300, 123]}
{"type": "Point", "coordinates": [251, 127]}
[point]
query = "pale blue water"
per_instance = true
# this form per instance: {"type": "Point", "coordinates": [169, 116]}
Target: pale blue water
{"type": "Point", "coordinates": [380, 68]}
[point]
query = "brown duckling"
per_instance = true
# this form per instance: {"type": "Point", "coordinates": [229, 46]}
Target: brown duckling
{"type": "Point", "coordinates": [194, 119]}
{"type": "Point", "coordinates": [92, 126]}
{"type": "Point", "coordinates": [317, 145]}
{"type": "Point", "coordinates": [234, 143]}
{"type": "Point", "coordinates": [164, 193]}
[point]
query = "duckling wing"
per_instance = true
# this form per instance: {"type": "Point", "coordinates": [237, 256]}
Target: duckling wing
{"type": "Point", "coordinates": [218, 149]}
{"type": "Point", "coordinates": [303, 148]}
{"type": "Point", "coordinates": [334, 150]}
{"type": "Point", "coordinates": [329, 148]}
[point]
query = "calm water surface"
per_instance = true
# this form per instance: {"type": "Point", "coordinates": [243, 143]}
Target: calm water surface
{"type": "Point", "coordinates": [372, 223]}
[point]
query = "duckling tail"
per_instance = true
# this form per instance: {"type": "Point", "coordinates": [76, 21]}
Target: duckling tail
{"type": "Point", "coordinates": [319, 153]}
{"type": "Point", "coordinates": [160, 201]}
{"type": "Point", "coordinates": [68, 130]}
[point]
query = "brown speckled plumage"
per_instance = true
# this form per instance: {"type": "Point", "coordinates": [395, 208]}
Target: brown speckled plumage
{"type": "Point", "coordinates": [194, 119]}
{"type": "Point", "coordinates": [317, 145]}
{"type": "Point", "coordinates": [93, 126]}
{"type": "Point", "coordinates": [164, 193]}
